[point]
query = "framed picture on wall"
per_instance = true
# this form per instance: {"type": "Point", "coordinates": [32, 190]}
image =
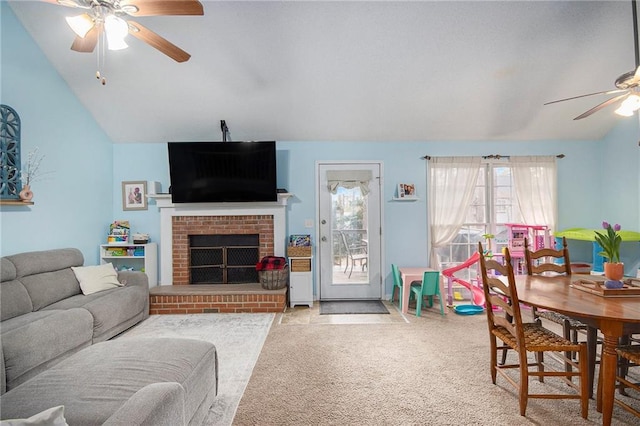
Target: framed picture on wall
{"type": "Point", "coordinates": [134, 195]}
{"type": "Point", "coordinates": [406, 190]}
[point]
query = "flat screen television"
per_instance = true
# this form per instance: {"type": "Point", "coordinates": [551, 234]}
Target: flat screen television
{"type": "Point", "coordinates": [209, 172]}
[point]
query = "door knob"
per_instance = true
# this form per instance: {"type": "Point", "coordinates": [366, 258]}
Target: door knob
{"type": "Point", "coordinates": [324, 222]}
{"type": "Point", "coordinates": [324, 239]}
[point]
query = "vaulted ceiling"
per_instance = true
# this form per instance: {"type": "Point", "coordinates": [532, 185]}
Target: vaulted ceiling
{"type": "Point", "coordinates": [353, 71]}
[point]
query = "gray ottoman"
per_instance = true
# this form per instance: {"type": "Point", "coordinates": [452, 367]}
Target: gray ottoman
{"type": "Point", "coordinates": [136, 381]}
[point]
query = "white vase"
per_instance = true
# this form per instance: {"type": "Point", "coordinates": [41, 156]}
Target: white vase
{"type": "Point", "coordinates": [26, 194]}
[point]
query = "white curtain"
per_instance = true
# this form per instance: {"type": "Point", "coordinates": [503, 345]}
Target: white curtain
{"type": "Point", "coordinates": [451, 185]}
{"type": "Point", "coordinates": [349, 179]}
{"type": "Point", "coordinates": [535, 184]}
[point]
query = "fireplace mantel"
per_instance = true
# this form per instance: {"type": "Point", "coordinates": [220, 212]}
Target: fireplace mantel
{"type": "Point", "coordinates": [168, 209]}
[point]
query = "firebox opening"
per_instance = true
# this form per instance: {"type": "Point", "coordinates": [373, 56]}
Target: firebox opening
{"type": "Point", "coordinates": [223, 259]}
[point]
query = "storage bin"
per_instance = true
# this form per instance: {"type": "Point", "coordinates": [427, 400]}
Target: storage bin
{"type": "Point", "coordinates": [299, 251]}
{"type": "Point", "coordinates": [300, 265]}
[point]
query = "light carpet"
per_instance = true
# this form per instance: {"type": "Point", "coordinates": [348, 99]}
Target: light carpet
{"type": "Point", "coordinates": [238, 339]}
{"type": "Point", "coordinates": [431, 370]}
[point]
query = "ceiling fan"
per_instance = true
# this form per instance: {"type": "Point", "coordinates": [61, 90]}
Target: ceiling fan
{"type": "Point", "coordinates": [628, 84]}
{"type": "Point", "coordinates": [111, 18]}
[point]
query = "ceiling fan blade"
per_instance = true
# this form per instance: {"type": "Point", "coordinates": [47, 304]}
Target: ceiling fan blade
{"type": "Point", "coordinates": [164, 7]}
{"type": "Point", "coordinates": [636, 76]}
{"type": "Point", "coordinates": [600, 106]}
{"type": "Point", "coordinates": [68, 3]}
{"type": "Point", "coordinates": [88, 43]}
{"type": "Point", "coordinates": [160, 43]}
{"type": "Point", "coordinates": [608, 92]}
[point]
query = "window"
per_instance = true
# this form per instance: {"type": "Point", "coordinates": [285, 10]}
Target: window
{"type": "Point", "coordinates": [493, 205]}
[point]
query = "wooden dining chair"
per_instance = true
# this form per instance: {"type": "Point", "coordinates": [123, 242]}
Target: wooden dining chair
{"type": "Point", "coordinates": [501, 294]}
{"type": "Point", "coordinates": [556, 261]}
{"type": "Point", "coordinates": [629, 354]}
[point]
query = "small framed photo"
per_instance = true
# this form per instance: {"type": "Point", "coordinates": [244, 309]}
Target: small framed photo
{"type": "Point", "coordinates": [406, 190]}
{"type": "Point", "coordinates": [134, 195]}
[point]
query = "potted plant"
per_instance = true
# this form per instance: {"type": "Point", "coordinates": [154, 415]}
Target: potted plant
{"type": "Point", "coordinates": [610, 243]}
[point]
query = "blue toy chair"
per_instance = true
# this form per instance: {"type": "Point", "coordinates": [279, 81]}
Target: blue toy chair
{"type": "Point", "coordinates": [430, 287]}
{"type": "Point", "coordinates": [397, 283]}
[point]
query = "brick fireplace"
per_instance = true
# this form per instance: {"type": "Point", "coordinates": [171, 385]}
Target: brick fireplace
{"type": "Point", "coordinates": [179, 221]}
{"type": "Point", "coordinates": [186, 226]}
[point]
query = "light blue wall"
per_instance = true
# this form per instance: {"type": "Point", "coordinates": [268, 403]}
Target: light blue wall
{"type": "Point", "coordinates": [76, 204]}
{"type": "Point", "coordinates": [620, 175]}
{"type": "Point", "coordinates": [73, 203]}
{"type": "Point", "coordinates": [405, 230]}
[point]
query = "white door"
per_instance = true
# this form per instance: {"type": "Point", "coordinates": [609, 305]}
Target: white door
{"type": "Point", "coordinates": [349, 230]}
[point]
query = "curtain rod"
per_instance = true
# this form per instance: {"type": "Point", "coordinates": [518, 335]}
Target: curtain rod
{"type": "Point", "coordinates": [492, 156]}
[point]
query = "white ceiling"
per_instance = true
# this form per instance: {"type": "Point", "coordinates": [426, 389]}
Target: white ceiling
{"type": "Point", "coordinates": [354, 71]}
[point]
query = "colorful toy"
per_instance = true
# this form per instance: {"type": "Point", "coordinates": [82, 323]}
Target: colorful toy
{"type": "Point", "coordinates": [584, 234]}
{"type": "Point", "coordinates": [477, 292]}
{"type": "Point", "coordinates": [537, 235]}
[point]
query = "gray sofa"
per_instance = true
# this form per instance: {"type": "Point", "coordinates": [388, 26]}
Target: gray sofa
{"type": "Point", "coordinates": [54, 350]}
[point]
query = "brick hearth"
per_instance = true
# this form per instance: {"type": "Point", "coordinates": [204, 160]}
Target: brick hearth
{"type": "Point", "coordinates": [175, 296]}
{"type": "Point", "coordinates": [228, 298]}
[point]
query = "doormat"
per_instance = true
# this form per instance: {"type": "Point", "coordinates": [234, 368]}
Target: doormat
{"type": "Point", "coordinates": [345, 307]}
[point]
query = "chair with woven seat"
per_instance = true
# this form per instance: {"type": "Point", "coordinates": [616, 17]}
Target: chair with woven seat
{"type": "Point", "coordinates": [501, 295]}
{"type": "Point", "coordinates": [543, 262]}
{"type": "Point", "coordinates": [629, 354]}
{"type": "Point", "coordinates": [428, 288]}
{"type": "Point", "coordinates": [537, 263]}
{"type": "Point", "coordinates": [397, 283]}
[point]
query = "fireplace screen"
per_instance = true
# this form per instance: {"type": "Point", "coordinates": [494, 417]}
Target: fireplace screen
{"type": "Point", "coordinates": [224, 259]}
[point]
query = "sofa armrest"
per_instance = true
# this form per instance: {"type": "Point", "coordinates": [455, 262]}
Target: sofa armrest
{"type": "Point", "coordinates": [157, 404]}
{"type": "Point", "coordinates": [133, 278]}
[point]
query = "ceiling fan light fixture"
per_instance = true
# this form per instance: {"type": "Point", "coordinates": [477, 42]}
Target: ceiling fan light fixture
{"type": "Point", "coordinates": [116, 30]}
{"type": "Point", "coordinates": [80, 24]}
{"type": "Point", "coordinates": [629, 106]}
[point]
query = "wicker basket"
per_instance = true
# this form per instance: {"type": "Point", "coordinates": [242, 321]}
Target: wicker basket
{"type": "Point", "coordinates": [274, 279]}
{"type": "Point", "coordinates": [300, 265]}
{"type": "Point", "coordinates": [299, 251]}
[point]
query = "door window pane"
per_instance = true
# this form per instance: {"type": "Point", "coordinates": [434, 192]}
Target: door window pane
{"type": "Point", "coordinates": [349, 237]}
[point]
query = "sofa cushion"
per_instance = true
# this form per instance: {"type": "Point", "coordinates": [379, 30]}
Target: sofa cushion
{"type": "Point", "coordinates": [14, 299]}
{"type": "Point", "coordinates": [49, 287]}
{"type": "Point", "coordinates": [35, 341]}
{"type": "Point", "coordinates": [47, 275]}
{"type": "Point", "coordinates": [96, 382]}
{"type": "Point", "coordinates": [111, 309]}
{"type": "Point", "coordinates": [35, 262]}
{"type": "Point", "coordinates": [94, 279]}
{"type": "Point", "coordinates": [7, 270]}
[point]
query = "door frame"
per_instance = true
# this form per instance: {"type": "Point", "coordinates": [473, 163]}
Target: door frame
{"type": "Point", "coordinates": [316, 275]}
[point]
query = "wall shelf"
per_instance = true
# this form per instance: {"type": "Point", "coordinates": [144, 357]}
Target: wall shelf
{"type": "Point", "coordinates": [405, 199]}
{"type": "Point", "coordinates": [15, 203]}
{"type": "Point", "coordinates": [146, 260]}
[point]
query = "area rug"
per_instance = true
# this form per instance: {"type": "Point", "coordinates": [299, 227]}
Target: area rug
{"type": "Point", "coordinates": [352, 307]}
{"type": "Point", "coordinates": [238, 339]}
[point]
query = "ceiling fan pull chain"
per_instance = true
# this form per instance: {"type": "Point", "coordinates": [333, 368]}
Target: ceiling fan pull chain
{"type": "Point", "coordinates": [101, 55]}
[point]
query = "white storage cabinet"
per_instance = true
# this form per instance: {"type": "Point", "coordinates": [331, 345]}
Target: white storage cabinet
{"type": "Point", "coordinates": [300, 281]}
{"type": "Point", "coordinates": [140, 257]}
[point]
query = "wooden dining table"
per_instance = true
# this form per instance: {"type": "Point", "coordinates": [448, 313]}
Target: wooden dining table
{"type": "Point", "coordinates": [613, 316]}
{"type": "Point", "coordinates": [408, 275]}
